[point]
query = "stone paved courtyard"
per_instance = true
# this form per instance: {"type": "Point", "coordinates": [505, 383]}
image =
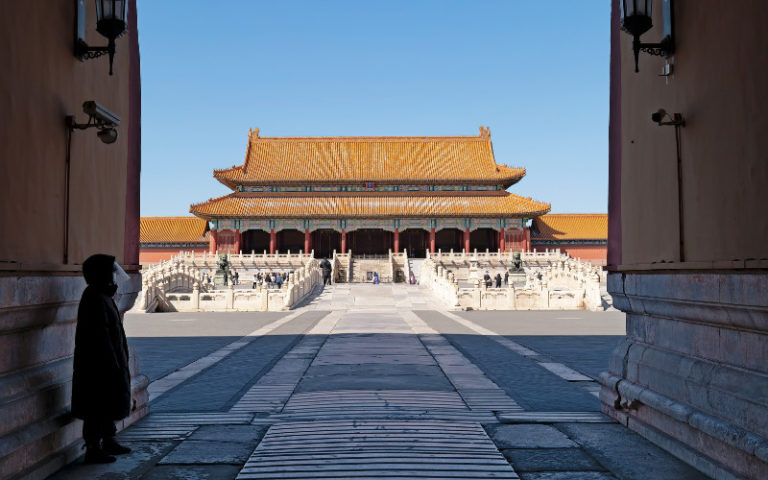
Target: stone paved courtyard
{"type": "Point", "coordinates": [377, 381]}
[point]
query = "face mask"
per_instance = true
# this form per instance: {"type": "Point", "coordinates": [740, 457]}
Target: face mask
{"type": "Point", "coordinates": [119, 276]}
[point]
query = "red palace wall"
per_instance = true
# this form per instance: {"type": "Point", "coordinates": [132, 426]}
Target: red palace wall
{"type": "Point", "coordinates": [597, 254]}
{"type": "Point", "coordinates": [156, 255]}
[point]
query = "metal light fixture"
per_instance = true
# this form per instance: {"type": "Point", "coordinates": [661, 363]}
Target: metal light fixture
{"type": "Point", "coordinates": [636, 20]}
{"type": "Point", "coordinates": [111, 16]}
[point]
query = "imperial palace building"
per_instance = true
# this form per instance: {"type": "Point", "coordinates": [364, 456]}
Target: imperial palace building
{"type": "Point", "coordinates": [369, 195]}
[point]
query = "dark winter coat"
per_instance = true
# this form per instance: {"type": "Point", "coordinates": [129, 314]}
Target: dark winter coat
{"type": "Point", "coordinates": [101, 384]}
{"type": "Point", "coordinates": [326, 266]}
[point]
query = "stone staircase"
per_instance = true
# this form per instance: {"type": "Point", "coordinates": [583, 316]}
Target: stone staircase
{"type": "Point", "coordinates": [341, 267]}
{"type": "Point", "coordinates": [414, 265]}
{"type": "Point", "coordinates": [361, 267]}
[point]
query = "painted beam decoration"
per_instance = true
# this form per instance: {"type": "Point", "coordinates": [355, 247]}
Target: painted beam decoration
{"type": "Point", "coordinates": [366, 187]}
{"type": "Point", "coordinates": [368, 223]}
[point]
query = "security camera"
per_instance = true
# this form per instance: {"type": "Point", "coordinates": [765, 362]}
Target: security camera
{"type": "Point", "coordinates": [100, 114]}
{"type": "Point", "coordinates": [107, 135]}
{"type": "Point", "coordinates": [661, 118]}
{"type": "Point", "coordinates": [99, 117]}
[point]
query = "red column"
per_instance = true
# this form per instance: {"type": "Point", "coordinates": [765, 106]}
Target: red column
{"type": "Point", "coordinates": [237, 241]}
{"type": "Point", "coordinates": [502, 241]}
{"type": "Point", "coordinates": [343, 241]}
{"type": "Point", "coordinates": [272, 240]}
{"type": "Point", "coordinates": [396, 240]}
{"type": "Point", "coordinates": [466, 240]}
{"type": "Point", "coordinates": [432, 240]}
{"type": "Point", "coordinates": [307, 240]}
{"type": "Point", "coordinates": [526, 239]}
{"type": "Point", "coordinates": [213, 238]}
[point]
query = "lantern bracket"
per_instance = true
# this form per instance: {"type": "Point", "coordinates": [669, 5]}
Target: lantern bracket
{"type": "Point", "coordinates": [83, 51]}
{"type": "Point", "coordinates": [666, 47]}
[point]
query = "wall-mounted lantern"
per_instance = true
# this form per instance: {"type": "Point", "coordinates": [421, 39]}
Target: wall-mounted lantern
{"type": "Point", "coordinates": [111, 16]}
{"type": "Point", "coordinates": [98, 117]}
{"type": "Point", "coordinates": [636, 20]}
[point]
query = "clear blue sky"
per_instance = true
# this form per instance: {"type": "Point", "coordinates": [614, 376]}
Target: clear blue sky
{"type": "Point", "coordinates": [535, 71]}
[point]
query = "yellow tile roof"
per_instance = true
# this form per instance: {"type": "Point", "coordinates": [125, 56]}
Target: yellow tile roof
{"type": "Point", "coordinates": [172, 230]}
{"type": "Point", "coordinates": [336, 205]}
{"type": "Point", "coordinates": [313, 160]}
{"type": "Point", "coordinates": [576, 226]}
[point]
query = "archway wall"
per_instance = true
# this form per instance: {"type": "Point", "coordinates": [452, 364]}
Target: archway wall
{"type": "Point", "coordinates": [687, 249]}
{"type": "Point", "coordinates": [43, 247]}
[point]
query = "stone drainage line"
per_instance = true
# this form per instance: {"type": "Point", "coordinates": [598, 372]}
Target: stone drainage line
{"type": "Point", "coordinates": [558, 369]}
{"type": "Point", "coordinates": [631, 394]}
{"type": "Point", "coordinates": [173, 379]}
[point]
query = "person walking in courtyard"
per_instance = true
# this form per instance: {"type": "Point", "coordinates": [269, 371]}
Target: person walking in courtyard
{"type": "Point", "coordinates": [498, 280]}
{"type": "Point", "coordinates": [279, 280]}
{"type": "Point", "coordinates": [236, 278]}
{"type": "Point", "coordinates": [487, 280]}
{"type": "Point", "coordinates": [375, 278]}
{"type": "Point", "coordinates": [101, 383]}
{"type": "Point", "coordinates": [506, 277]}
{"type": "Point", "coordinates": [326, 266]}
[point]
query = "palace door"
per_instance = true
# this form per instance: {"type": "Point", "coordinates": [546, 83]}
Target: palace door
{"type": "Point", "coordinates": [415, 241]}
{"type": "Point", "coordinates": [256, 241]}
{"type": "Point", "coordinates": [370, 241]}
{"type": "Point", "coordinates": [325, 241]}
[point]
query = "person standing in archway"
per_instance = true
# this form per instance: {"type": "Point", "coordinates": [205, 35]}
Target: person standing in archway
{"type": "Point", "coordinates": [101, 383]}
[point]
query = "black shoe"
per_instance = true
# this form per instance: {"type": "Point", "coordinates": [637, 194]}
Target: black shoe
{"type": "Point", "coordinates": [111, 447]}
{"type": "Point", "coordinates": [97, 455]}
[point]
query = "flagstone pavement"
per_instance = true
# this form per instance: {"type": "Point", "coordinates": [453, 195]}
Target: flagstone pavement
{"type": "Point", "coordinates": [378, 381]}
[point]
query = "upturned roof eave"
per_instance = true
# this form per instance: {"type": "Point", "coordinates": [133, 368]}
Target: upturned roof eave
{"type": "Point", "coordinates": [506, 181]}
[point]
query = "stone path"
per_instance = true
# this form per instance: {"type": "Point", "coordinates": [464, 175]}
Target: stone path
{"type": "Point", "coordinates": [372, 382]}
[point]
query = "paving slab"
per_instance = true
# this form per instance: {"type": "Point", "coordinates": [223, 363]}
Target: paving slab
{"type": "Point", "coordinates": [229, 433]}
{"type": "Point", "coordinates": [219, 386]}
{"type": "Point", "coordinates": [551, 460]}
{"type": "Point", "coordinates": [529, 436]}
{"type": "Point", "coordinates": [567, 476]}
{"type": "Point", "coordinates": [196, 452]}
{"type": "Point", "coordinates": [131, 466]}
{"type": "Point", "coordinates": [374, 377]}
{"type": "Point", "coordinates": [628, 455]}
{"type": "Point", "coordinates": [192, 472]}
{"type": "Point", "coordinates": [532, 386]}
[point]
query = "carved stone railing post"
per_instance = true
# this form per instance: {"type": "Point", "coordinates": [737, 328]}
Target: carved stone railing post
{"type": "Point", "coordinates": [196, 297]}
{"type": "Point", "coordinates": [477, 295]}
{"type": "Point", "coordinates": [229, 296]}
{"type": "Point", "coordinates": [511, 297]}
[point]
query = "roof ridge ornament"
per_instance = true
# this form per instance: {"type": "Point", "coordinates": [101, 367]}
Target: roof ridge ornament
{"type": "Point", "coordinates": [485, 132]}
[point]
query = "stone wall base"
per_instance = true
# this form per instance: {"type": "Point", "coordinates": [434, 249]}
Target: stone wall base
{"type": "Point", "coordinates": [38, 314]}
{"type": "Point", "coordinates": [691, 375]}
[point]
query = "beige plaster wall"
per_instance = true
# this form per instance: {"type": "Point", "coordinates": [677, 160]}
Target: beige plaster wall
{"type": "Point", "coordinates": [42, 82]}
{"type": "Point", "coordinates": [720, 85]}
